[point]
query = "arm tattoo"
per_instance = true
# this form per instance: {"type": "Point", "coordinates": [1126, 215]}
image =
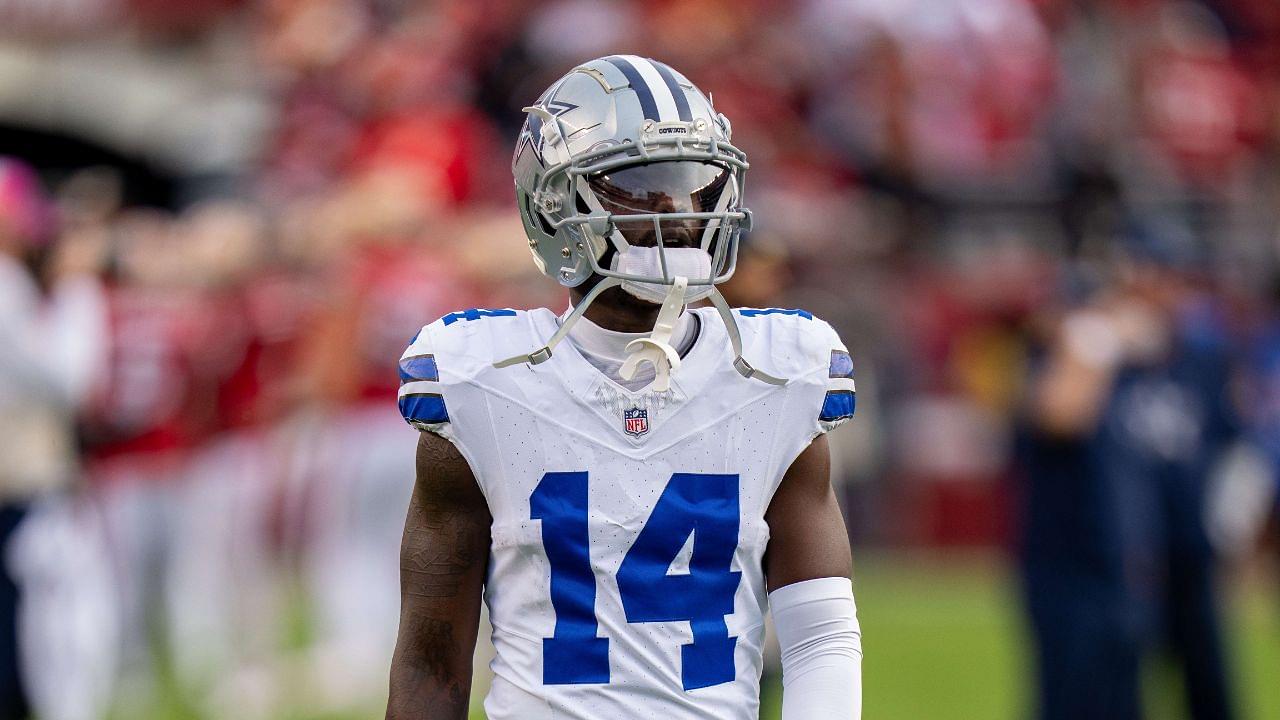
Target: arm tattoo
{"type": "Point", "coordinates": [443, 562]}
{"type": "Point", "coordinates": [425, 678]}
{"type": "Point", "coordinates": [435, 568]}
{"type": "Point", "coordinates": [442, 534]}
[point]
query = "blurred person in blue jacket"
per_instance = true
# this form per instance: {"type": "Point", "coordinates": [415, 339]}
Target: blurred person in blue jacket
{"type": "Point", "coordinates": [51, 340]}
{"type": "Point", "coordinates": [1262, 390]}
{"type": "Point", "coordinates": [1128, 411]}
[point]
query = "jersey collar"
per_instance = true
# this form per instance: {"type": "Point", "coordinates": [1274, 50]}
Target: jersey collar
{"type": "Point", "coordinates": [610, 401]}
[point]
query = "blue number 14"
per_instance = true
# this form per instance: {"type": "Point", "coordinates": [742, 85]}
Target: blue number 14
{"type": "Point", "coordinates": [704, 505]}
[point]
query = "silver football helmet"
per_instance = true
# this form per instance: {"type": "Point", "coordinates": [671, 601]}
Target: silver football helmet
{"type": "Point", "coordinates": [625, 152]}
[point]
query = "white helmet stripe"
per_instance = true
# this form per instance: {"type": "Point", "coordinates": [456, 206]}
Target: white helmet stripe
{"type": "Point", "coordinates": [662, 96]}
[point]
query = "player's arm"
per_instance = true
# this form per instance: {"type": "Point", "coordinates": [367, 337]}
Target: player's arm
{"type": "Point", "coordinates": [807, 537]}
{"type": "Point", "coordinates": [807, 569]}
{"type": "Point", "coordinates": [443, 559]}
{"type": "Point", "coordinates": [1068, 396]}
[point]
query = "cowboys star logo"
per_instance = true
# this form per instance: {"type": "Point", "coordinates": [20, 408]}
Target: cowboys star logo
{"type": "Point", "coordinates": [532, 134]}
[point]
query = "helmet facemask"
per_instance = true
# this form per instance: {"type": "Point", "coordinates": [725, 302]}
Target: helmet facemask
{"type": "Point", "coordinates": [667, 220]}
{"type": "Point", "coordinates": [669, 189]}
{"type": "Point", "coordinates": [676, 190]}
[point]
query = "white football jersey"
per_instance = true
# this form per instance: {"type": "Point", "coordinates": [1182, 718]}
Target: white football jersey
{"type": "Point", "coordinates": [625, 573]}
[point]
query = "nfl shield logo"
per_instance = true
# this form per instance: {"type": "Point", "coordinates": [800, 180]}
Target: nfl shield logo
{"type": "Point", "coordinates": [636, 421]}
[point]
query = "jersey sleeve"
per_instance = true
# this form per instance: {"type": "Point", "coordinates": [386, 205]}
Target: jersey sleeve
{"type": "Point", "coordinates": [438, 370]}
{"type": "Point", "coordinates": [422, 394]}
{"type": "Point", "coordinates": [835, 376]}
{"type": "Point", "coordinates": [797, 345]}
{"type": "Point", "coordinates": [841, 396]}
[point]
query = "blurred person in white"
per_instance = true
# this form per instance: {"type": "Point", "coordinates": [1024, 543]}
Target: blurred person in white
{"type": "Point", "coordinates": [52, 321]}
{"type": "Point", "coordinates": [1129, 414]}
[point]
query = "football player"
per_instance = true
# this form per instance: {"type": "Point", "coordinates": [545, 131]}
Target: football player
{"type": "Point", "coordinates": [630, 501]}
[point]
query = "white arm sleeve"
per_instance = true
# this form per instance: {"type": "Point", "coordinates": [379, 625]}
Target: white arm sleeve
{"type": "Point", "coordinates": [821, 644]}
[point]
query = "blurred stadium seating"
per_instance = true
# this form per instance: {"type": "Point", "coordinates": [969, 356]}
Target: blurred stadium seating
{"type": "Point", "coordinates": [276, 194]}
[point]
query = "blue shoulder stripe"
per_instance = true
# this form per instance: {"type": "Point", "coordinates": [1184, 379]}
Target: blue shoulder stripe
{"type": "Point", "coordinates": [838, 405]}
{"type": "Point", "coordinates": [476, 314]}
{"type": "Point", "coordinates": [841, 365]}
{"type": "Point", "coordinates": [424, 408]}
{"type": "Point", "coordinates": [756, 312]}
{"type": "Point", "coordinates": [419, 367]}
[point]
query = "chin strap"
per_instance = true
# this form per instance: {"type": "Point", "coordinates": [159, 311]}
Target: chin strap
{"type": "Point", "coordinates": [656, 349]}
{"type": "Point", "coordinates": [543, 354]}
{"type": "Point", "coordinates": [735, 338]}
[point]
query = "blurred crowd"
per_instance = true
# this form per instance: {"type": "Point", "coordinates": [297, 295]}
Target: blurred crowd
{"type": "Point", "coordinates": [200, 459]}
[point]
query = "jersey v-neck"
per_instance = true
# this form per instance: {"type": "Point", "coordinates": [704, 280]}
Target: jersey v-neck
{"type": "Point", "coordinates": [605, 349]}
{"type": "Point", "coordinates": [608, 399]}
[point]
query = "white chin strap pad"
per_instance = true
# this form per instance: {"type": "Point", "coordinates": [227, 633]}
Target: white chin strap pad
{"type": "Point", "coordinates": [648, 262]}
{"type": "Point", "coordinates": [656, 349]}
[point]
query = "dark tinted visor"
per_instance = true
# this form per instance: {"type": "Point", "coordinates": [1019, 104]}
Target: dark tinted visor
{"type": "Point", "coordinates": [662, 187]}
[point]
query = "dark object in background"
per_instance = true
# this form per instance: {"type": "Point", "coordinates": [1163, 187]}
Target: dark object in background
{"type": "Point", "coordinates": [13, 697]}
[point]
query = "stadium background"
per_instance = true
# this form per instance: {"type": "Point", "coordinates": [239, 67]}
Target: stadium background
{"type": "Point", "coordinates": [275, 195]}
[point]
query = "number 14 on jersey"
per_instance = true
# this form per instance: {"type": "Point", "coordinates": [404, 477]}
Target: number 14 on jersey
{"type": "Point", "coordinates": [705, 505]}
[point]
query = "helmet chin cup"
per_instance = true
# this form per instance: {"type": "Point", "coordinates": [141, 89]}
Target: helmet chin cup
{"type": "Point", "coordinates": [676, 263]}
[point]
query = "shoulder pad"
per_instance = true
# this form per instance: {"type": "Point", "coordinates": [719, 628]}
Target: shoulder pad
{"type": "Point", "coordinates": [807, 349]}
{"type": "Point", "coordinates": [420, 398]}
{"type": "Point", "coordinates": [841, 398]}
{"type": "Point", "coordinates": [786, 342]}
{"type": "Point", "coordinates": [450, 350]}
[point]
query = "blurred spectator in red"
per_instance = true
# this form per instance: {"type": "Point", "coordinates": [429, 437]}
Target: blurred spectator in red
{"type": "Point", "coordinates": [1199, 109]}
{"type": "Point", "coordinates": [153, 406]}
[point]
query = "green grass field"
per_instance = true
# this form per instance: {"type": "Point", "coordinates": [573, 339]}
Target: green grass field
{"type": "Point", "coordinates": [944, 640]}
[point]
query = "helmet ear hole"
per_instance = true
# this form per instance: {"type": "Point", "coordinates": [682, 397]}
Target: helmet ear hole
{"type": "Point", "coordinates": [606, 259]}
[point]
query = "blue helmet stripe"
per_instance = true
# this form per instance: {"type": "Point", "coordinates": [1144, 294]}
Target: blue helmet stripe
{"type": "Point", "coordinates": [641, 88]}
{"type": "Point", "coordinates": [677, 92]}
